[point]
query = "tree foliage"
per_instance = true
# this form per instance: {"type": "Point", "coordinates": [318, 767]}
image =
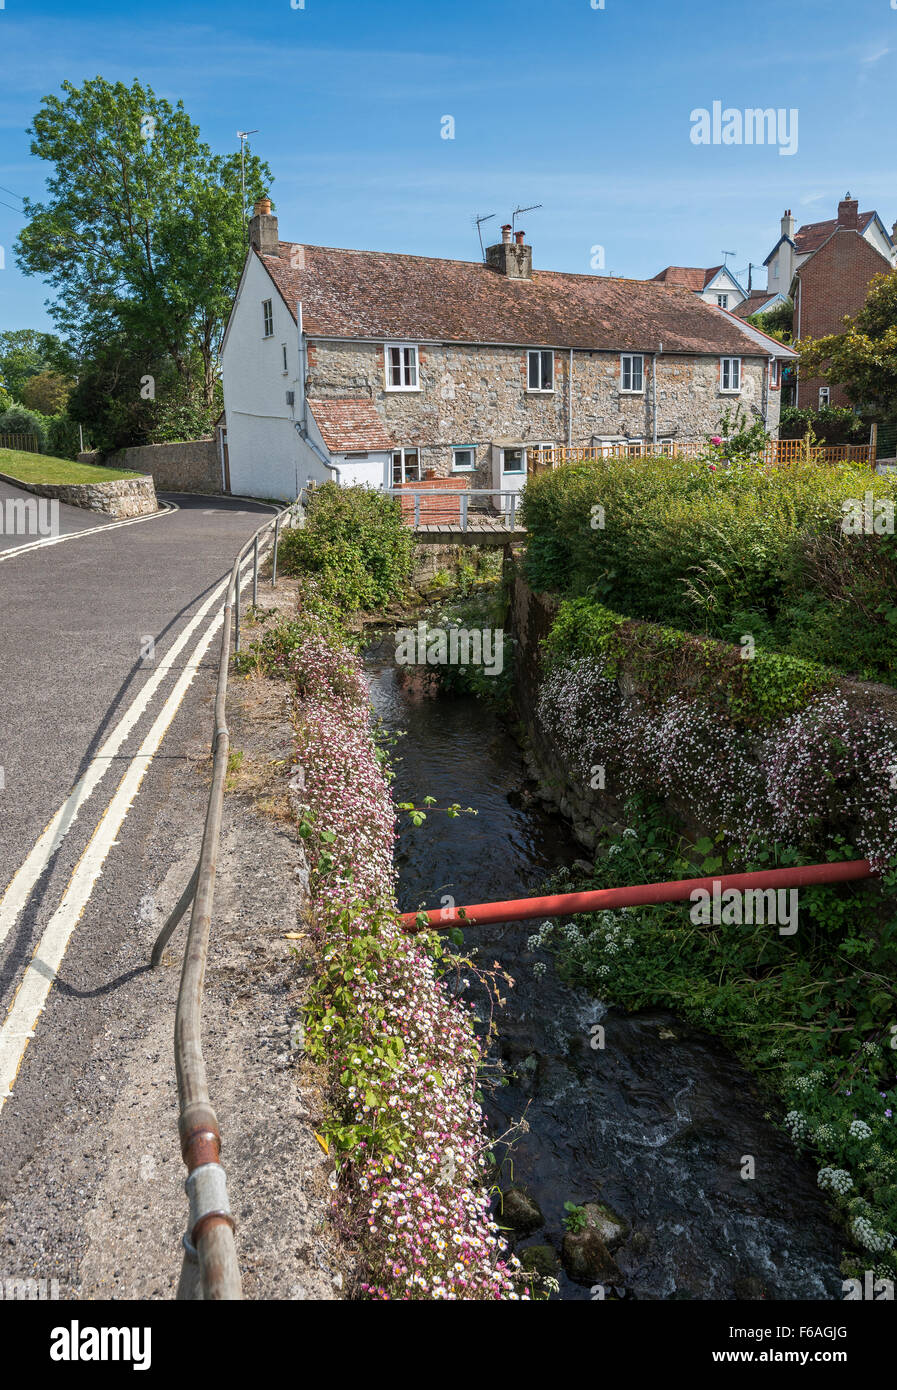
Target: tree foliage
{"type": "Point", "coordinates": [25, 353]}
{"type": "Point", "coordinates": [862, 358]}
{"type": "Point", "coordinates": [141, 234]}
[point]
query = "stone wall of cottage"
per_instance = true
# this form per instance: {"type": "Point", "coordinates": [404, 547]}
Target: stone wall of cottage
{"type": "Point", "coordinates": [475, 395]}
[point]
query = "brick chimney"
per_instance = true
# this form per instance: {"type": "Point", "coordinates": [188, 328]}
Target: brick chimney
{"type": "Point", "coordinates": [848, 213]}
{"type": "Point", "coordinates": [263, 229]}
{"type": "Point", "coordinates": [511, 257]}
{"type": "Point", "coordinates": [788, 224]}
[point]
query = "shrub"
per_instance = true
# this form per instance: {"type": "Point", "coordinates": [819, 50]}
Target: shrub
{"type": "Point", "coordinates": [19, 420]}
{"type": "Point", "coordinates": [833, 424]}
{"type": "Point", "coordinates": [356, 545]}
{"type": "Point", "coordinates": [740, 550]}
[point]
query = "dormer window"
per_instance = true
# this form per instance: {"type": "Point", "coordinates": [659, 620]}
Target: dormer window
{"type": "Point", "coordinates": [723, 301]}
{"type": "Point", "coordinates": [402, 367]}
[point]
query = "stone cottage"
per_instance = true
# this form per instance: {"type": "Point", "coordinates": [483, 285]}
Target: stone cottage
{"type": "Point", "coordinates": [362, 366]}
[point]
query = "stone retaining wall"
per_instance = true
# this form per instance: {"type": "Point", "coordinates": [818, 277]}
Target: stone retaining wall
{"type": "Point", "coordinates": [192, 465]}
{"type": "Point", "coordinates": [120, 497]}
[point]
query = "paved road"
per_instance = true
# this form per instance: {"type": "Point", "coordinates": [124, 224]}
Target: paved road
{"type": "Point", "coordinates": [19, 525]}
{"type": "Point", "coordinates": [87, 630]}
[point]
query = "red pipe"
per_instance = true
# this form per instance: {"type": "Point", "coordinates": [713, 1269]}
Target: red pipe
{"type": "Point", "coordinates": [642, 895]}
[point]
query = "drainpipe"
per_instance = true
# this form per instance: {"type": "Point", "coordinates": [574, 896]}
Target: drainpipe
{"type": "Point", "coordinates": [654, 392]}
{"type": "Point", "coordinates": [301, 425]}
{"type": "Point", "coordinates": [570, 402]}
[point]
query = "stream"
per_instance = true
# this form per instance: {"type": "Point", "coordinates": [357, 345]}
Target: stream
{"type": "Point", "coordinates": [656, 1124]}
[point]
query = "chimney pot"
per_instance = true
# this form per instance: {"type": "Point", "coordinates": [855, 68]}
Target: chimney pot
{"type": "Point", "coordinates": [513, 259]}
{"type": "Point", "coordinates": [506, 234]}
{"type": "Point", "coordinates": [848, 213]}
{"type": "Point", "coordinates": [520, 237]}
{"type": "Point", "coordinates": [263, 229]}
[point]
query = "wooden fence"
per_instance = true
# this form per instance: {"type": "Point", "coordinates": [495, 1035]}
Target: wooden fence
{"type": "Point", "coordinates": [25, 443]}
{"type": "Point", "coordinates": [777, 451]}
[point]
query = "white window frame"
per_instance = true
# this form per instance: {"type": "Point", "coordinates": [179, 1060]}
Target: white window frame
{"type": "Point", "coordinates": [724, 363]}
{"type": "Point", "coordinates": [665, 446]}
{"type": "Point", "coordinates": [400, 453]}
{"type": "Point", "coordinates": [774, 375]}
{"type": "Point", "coordinates": [407, 367]}
{"type": "Point", "coordinates": [825, 397]}
{"type": "Point", "coordinates": [514, 472]}
{"type": "Point", "coordinates": [539, 354]}
{"type": "Point", "coordinates": [464, 449]}
{"type": "Point", "coordinates": [632, 358]}
{"type": "Point", "coordinates": [267, 318]}
{"type": "Point", "coordinates": [722, 301]}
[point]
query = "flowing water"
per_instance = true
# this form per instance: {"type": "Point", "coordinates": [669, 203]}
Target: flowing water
{"type": "Point", "coordinates": [658, 1123]}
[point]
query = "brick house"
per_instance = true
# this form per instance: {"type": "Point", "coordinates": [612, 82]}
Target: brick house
{"type": "Point", "coordinates": [385, 368]}
{"type": "Point", "coordinates": [825, 268]}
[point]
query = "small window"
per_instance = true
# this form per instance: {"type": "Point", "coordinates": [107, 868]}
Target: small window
{"type": "Point", "coordinates": [283, 348]}
{"type": "Point", "coordinates": [730, 374]}
{"type": "Point", "coordinates": [775, 268]}
{"type": "Point", "coordinates": [405, 466]}
{"type": "Point", "coordinates": [774, 374]}
{"type": "Point", "coordinates": [513, 461]}
{"type": "Point", "coordinates": [723, 301]}
{"type": "Point", "coordinates": [401, 367]}
{"type": "Point", "coordinates": [634, 448]}
{"type": "Point", "coordinates": [825, 396]}
{"type": "Point", "coordinates": [540, 376]}
{"type": "Point", "coordinates": [665, 448]}
{"type": "Point", "coordinates": [464, 460]}
{"type": "Point", "coordinates": [632, 373]}
{"type": "Point", "coordinates": [268, 318]}
{"type": "Point", "coordinates": [355, 454]}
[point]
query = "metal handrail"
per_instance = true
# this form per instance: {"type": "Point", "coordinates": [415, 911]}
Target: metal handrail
{"type": "Point", "coordinates": [509, 496]}
{"type": "Point", "coordinates": [210, 1268]}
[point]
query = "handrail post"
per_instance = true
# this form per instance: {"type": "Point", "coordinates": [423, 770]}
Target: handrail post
{"type": "Point", "coordinates": [416, 510]}
{"type": "Point", "coordinates": [464, 500]}
{"type": "Point", "coordinates": [255, 573]}
{"type": "Point", "coordinates": [274, 561]}
{"type": "Point", "coordinates": [237, 610]}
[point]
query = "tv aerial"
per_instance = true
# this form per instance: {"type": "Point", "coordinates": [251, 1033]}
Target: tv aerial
{"type": "Point", "coordinates": [517, 211]}
{"type": "Point", "coordinates": [479, 221]}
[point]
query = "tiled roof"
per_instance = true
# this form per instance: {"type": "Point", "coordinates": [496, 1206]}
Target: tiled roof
{"type": "Point", "coordinates": [811, 235]}
{"type": "Point", "coordinates": [691, 276]}
{"type": "Point", "coordinates": [369, 294]}
{"type": "Point", "coordinates": [754, 302]}
{"type": "Point", "coordinates": [350, 425]}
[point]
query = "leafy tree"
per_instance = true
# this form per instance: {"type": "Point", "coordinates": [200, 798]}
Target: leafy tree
{"type": "Point", "coordinates": [863, 358]}
{"type": "Point", "coordinates": [24, 353]}
{"type": "Point", "coordinates": [833, 424]}
{"type": "Point", "coordinates": [47, 392]}
{"type": "Point", "coordinates": [777, 323]}
{"type": "Point", "coordinates": [142, 232]}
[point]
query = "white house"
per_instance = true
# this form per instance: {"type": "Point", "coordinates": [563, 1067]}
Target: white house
{"type": "Point", "coordinates": [715, 285]}
{"type": "Point", "coordinates": [388, 369]}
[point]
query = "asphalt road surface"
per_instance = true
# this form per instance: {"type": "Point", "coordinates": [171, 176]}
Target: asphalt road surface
{"type": "Point", "coordinates": [108, 648]}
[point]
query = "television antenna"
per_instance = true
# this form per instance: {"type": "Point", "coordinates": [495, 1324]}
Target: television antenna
{"type": "Point", "coordinates": [517, 211]}
{"type": "Point", "coordinates": [728, 253]}
{"type": "Point", "coordinates": [243, 136]}
{"type": "Point", "coordinates": [479, 221]}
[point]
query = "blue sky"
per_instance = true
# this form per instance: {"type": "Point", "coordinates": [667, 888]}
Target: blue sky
{"type": "Point", "coordinates": [586, 111]}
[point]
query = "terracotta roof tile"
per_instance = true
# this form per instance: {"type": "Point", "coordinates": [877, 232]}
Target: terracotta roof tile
{"type": "Point", "coordinates": [368, 294]}
{"type": "Point", "coordinates": [691, 276]}
{"type": "Point", "coordinates": [350, 425]}
{"type": "Point", "coordinates": [811, 235]}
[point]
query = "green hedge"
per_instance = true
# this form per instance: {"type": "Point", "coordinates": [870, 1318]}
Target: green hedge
{"type": "Point", "coordinates": [356, 545]}
{"type": "Point", "coordinates": [753, 692]}
{"type": "Point", "coordinates": [740, 551]}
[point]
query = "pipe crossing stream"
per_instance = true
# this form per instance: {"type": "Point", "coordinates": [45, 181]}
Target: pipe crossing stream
{"type": "Point", "coordinates": [655, 1125]}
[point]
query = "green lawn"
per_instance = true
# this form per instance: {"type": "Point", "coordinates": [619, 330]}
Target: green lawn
{"type": "Point", "coordinates": [41, 468]}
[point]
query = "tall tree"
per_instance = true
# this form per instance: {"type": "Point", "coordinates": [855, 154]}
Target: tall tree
{"type": "Point", "coordinates": [142, 230]}
{"type": "Point", "coordinates": [24, 353]}
{"type": "Point", "coordinates": [863, 358]}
